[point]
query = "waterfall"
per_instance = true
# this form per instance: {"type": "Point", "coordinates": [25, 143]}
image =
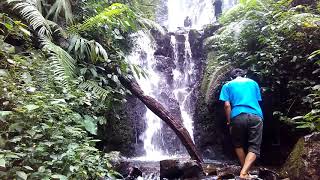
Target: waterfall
{"type": "Point", "coordinates": [200, 12]}
{"type": "Point", "coordinates": [183, 83]}
{"type": "Point", "coordinates": [172, 79]}
{"type": "Point", "coordinates": [143, 56]}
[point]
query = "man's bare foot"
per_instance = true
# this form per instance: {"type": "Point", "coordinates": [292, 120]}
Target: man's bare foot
{"type": "Point", "coordinates": [244, 176]}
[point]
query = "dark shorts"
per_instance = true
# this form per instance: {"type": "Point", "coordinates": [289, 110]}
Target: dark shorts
{"type": "Point", "coordinates": [246, 130]}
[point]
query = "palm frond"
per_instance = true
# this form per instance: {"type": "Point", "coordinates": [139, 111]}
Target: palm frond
{"type": "Point", "coordinates": [62, 64]}
{"type": "Point", "coordinates": [83, 48]}
{"type": "Point", "coordinates": [36, 3]}
{"type": "Point", "coordinates": [33, 16]}
{"type": "Point", "coordinates": [61, 6]}
{"type": "Point", "coordinates": [96, 89]}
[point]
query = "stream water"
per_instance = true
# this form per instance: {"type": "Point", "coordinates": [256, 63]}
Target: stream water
{"type": "Point", "coordinates": [180, 89]}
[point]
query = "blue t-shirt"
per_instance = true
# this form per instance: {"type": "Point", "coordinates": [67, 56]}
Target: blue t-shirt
{"type": "Point", "coordinates": [243, 95]}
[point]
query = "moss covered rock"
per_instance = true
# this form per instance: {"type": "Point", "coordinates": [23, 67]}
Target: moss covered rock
{"type": "Point", "coordinates": [304, 160]}
{"type": "Point", "coordinates": [211, 134]}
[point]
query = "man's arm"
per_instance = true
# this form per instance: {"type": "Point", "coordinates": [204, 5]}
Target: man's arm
{"type": "Point", "coordinates": [227, 109]}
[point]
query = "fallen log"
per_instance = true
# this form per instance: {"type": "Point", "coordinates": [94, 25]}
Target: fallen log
{"type": "Point", "coordinates": [163, 114]}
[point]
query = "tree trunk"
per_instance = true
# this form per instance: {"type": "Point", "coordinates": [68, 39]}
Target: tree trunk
{"type": "Point", "coordinates": [165, 115]}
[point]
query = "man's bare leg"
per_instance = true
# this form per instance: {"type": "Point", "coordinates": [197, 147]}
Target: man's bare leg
{"type": "Point", "coordinates": [241, 155]}
{"type": "Point", "coordinates": [249, 160]}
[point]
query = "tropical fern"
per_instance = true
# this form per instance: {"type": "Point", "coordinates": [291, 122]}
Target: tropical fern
{"type": "Point", "coordinates": [32, 15]}
{"type": "Point", "coordinates": [95, 88]}
{"type": "Point", "coordinates": [62, 64]}
{"type": "Point", "coordinates": [115, 16]}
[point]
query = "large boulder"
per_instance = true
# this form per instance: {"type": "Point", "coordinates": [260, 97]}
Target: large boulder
{"type": "Point", "coordinates": [183, 169]}
{"type": "Point", "coordinates": [304, 160]}
{"type": "Point", "coordinates": [195, 40]}
{"type": "Point", "coordinates": [163, 43]}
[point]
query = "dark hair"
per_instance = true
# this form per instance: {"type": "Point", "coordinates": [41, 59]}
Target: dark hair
{"type": "Point", "coordinates": [237, 72]}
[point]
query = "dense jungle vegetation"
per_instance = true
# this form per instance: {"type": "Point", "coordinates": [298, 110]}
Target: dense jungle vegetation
{"type": "Point", "coordinates": [277, 41]}
{"type": "Point", "coordinates": [60, 61]}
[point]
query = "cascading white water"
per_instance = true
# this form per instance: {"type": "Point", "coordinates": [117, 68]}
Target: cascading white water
{"type": "Point", "coordinates": [200, 12]}
{"type": "Point", "coordinates": [182, 89]}
{"type": "Point", "coordinates": [143, 56]}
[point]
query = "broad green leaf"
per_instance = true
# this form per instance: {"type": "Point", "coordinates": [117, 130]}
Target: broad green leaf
{"type": "Point", "coordinates": [5, 113]}
{"type": "Point", "coordinates": [27, 78]}
{"type": "Point", "coordinates": [31, 107]}
{"type": "Point", "coordinates": [3, 72]}
{"type": "Point", "coordinates": [8, 26]}
{"type": "Point", "coordinates": [28, 168]}
{"type": "Point", "coordinates": [25, 31]}
{"type": "Point", "coordinates": [16, 127]}
{"type": "Point", "coordinates": [41, 169]}
{"type": "Point", "coordinates": [59, 176]}
{"type": "Point", "coordinates": [12, 156]}
{"type": "Point", "coordinates": [90, 124]}
{"type": "Point", "coordinates": [2, 163]}
{"type": "Point", "coordinates": [22, 175]}
{"type": "Point", "coordinates": [93, 72]}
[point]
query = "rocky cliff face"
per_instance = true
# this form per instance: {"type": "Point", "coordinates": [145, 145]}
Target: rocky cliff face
{"type": "Point", "coordinates": [172, 57]}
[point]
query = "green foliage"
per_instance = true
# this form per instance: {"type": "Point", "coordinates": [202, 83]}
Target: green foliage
{"type": "Point", "coordinates": [312, 119]}
{"type": "Point", "coordinates": [145, 8]}
{"type": "Point", "coordinates": [95, 88]}
{"type": "Point", "coordinates": [53, 100]}
{"type": "Point", "coordinates": [274, 41]}
{"type": "Point", "coordinates": [54, 93]}
{"type": "Point", "coordinates": [62, 64]}
{"type": "Point", "coordinates": [9, 26]}
{"type": "Point", "coordinates": [115, 16]}
{"type": "Point", "coordinates": [55, 9]}
{"type": "Point", "coordinates": [85, 49]}
{"type": "Point", "coordinates": [31, 14]}
{"type": "Point", "coordinates": [43, 128]}
{"type": "Point", "coordinates": [58, 7]}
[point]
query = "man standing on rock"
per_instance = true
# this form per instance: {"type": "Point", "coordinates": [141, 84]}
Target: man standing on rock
{"type": "Point", "coordinates": [241, 98]}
